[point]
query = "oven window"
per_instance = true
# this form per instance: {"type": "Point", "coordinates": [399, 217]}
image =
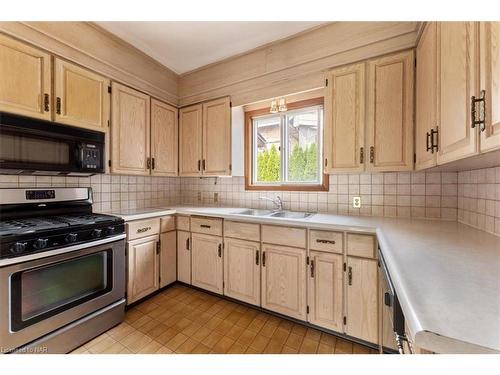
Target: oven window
{"type": "Point", "coordinates": [45, 291]}
{"type": "Point", "coordinates": [15, 148]}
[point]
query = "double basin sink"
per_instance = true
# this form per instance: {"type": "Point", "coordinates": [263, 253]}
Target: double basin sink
{"type": "Point", "coordinates": [281, 214]}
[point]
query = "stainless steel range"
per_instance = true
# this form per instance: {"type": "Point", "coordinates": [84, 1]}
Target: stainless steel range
{"type": "Point", "coordinates": [62, 270]}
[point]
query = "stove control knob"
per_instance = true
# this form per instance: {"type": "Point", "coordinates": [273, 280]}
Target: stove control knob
{"type": "Point", "coordinates": [111, 230]}
{"type": "Point", "coordinates": [96, 233]}
{"type": "Point", "coordinates": [41, 243]}
{"type": "Point", "coordinates": [71, 237]}
{"type": "Point", "coordinates": [18, 247]}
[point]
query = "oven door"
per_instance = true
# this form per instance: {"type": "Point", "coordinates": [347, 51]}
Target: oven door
{"type": "Point", "coordinates": [41, 147]}
{"type": "Point", "coordinates": [42, 295]}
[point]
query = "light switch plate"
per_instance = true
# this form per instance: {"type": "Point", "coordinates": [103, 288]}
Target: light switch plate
{"type": "Point", "coordinates": [356, 202]}
{"type": "Point", "coordinates": [216, 197]}
{"type": "Point", "coordinates": [199, 196]}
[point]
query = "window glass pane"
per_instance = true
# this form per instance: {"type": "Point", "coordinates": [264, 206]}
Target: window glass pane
{"type": "Point", "coordinates": [267, 141]}
{"type": "Point", "coordinates": [303, 129]}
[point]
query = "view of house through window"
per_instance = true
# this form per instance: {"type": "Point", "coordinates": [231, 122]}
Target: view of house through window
{"type": "Point", "coordinates": [286, 147]}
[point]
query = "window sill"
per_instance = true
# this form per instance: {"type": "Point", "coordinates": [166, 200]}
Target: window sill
{"type": "Point", "coordinates": [323, 187]}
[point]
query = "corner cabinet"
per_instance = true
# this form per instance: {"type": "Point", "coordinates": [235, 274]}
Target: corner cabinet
{"type": "Point", "coordinates": [205, 139]}
{"type": "Point", "coordinates": [164, 139]}
{"type": "Point", "coordinates": [390, 113]}
{"type": "Point", "coordinates": [130, 131]}
{"type": "Point", "coordinates": [25, 79]}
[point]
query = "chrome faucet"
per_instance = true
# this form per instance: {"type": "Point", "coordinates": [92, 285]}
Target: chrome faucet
{"type": "Point", "coordinates": [278, 203]}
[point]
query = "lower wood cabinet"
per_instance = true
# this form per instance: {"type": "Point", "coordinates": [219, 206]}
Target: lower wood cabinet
{"type": "Point", "coordinates": [168, 258]}
{"type": "Point", "coordinates": [325, 290]}
{"type": "Point", "coordinates": [284, 280]}
{"type": "Point", "coordinates": [142, 268]}
{"type": "Point", "coordinates": [206, 262]}
{"type": "Point", "coordinates": [242, 270]}
{"type": "Point", "coordinates": [361, 299]}
{"type": "Point", "coordinates": [184, 256]}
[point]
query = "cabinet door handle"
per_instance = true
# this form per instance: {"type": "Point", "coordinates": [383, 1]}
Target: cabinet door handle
{"type": "Point", "coordinates": [361, 155]}
{"type": "Point", "coordinates": [204, 164]}
{"type": "Point", "coordinates": [332, 242]}
{"type": "Point", "coordinates": [434, 145]}
{"type": "Point", "coordinates": [152, 163]}
{"type": "Point", "coordinates": [205, 226]}
{"type": "Point", "coordinates": [372, 154]}
{"type": "Point", "coordinates": [220, 251]}
{"type": "Point", "coordinates": [257, 257]}
{"type": "Point", "coordinates": [199, 165]}
{"type": "Point", "coordinates": [312, 268]}
{"type": "Point", "coordinates": [482, 101]}
{"type": "Point", "coordinates": [187, 244]}
{"type": "Point", "coordinates": [46, 102]}
{"type": "Point", "coordinates": [428, 141]}
{"type": "Point", "coordinates": [349, 275]}
{"type": "Point", "coordinates": [158, 247]}
{"type": "Point", "coordinates": [148, 163]}
{"type": "Point", "coordinates": [58, 105]}
{"type": "Point", "coordinates": [263, 259]}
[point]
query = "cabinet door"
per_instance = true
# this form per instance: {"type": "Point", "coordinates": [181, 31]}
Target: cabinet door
{"type": "Point", "coordinates": [25, 79]}
{"type": "Point", "coordinates": [284, 280]}
{"type": "Point", "coordinates": [82, 97]}
{"type": "Point", "coordinates": [217, 138]}
{"type": "Point", "coordinates": [345, 119]}
{"type": "Point", "coordinates": [142, 268]}
{"type": "Point", "coordinates": [362, 300]}
{"type": "Point", "coordinates": [184, 257]}
{"type": "Point", "coordinates": [390, 113]}
{"type": "Point", "coordinates": [168, 258]}
{"type": "Point", "coordinates": [190, 124]}
{"type": "Point", "coordinates": [326, 290]}
{"type": "Point", "coordinates": [242, 270]}
{"type": "Point", "coordinates": [164, 139]}
{"type": "Point", "coordinates": [489, 39]}
{"type": "Point", "coordinates": [426, 97]}
{"type": "Point", "coordinates": [457, 83]}
{"type": "Point", "coordinates": [207, 272]}
{"type": "Point", "coordinates": [129, 131]}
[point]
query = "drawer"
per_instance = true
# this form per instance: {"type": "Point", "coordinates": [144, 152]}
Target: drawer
{"type": "Point", "coordinates": [361, 245]}
{"type": "Point", "coordinates": [244, 231]}
{"type": "Point", "coordinates": [322, 240]}
{"type": "Point", "coordinates": [286, 236]}
{"type": "Point", "coordinates": [206, 225]}
{"type": "Point", "coordinates": [142, 228]}
{"type": "Point", "coordinates": [182, 223]}
{"type": "Point", "coordinates": [167, 224]}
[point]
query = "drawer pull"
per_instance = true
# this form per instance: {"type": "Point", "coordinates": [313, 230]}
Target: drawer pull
{"type": "Point", "coordinates": [349, 275]}
{"type": "Point", "coordinates": [205, 226]}
{"type": "Point", "coordinates": [142, 230]}
{"type": "Point", "coordinates": [257, 257]}
{"type": "Point", "coordinates": [332, 242]}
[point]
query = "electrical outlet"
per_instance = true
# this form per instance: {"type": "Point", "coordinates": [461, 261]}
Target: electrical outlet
{"type": "Point", "coordinates": [356, 202]}
{"type": "Point", "coordinates": [199, 196]}
{"type": "Point", "coordinates": [216, 197]}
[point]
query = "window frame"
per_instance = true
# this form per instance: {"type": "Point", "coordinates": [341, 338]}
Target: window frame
{"type": "Point", "coordinates": [249, 151]}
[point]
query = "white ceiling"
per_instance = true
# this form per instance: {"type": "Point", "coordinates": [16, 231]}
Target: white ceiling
{"type": "Point", "coordinates": [184, 46]}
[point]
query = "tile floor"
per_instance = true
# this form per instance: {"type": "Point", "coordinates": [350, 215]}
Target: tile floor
{"type": "Point", "coordinates": [184, 320]}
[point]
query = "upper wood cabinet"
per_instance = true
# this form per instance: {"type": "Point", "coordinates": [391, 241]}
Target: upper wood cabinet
{"type": "Point", "coordinates": [345, 119]}
{"type": "Point", "coordinates": [457, 80]}
{"type": "Point", "coordinates": [426, 122]}
{"type": "Point", "coordinates": [390, 113]}
{"type": "Point", "coordinates": [142, 268]}
{"type": "Point", "coordinates": [489, 71]}
{"type": "Point", "coordinates": [82, 97]}
{"type": "Point", "coordinates": [25, 79]}
{"type": "Point", "coordinates": [205, 139]}
{"type": "Point", "coordinates": [130, 131]}
{"type": "Point", "coordinates": [164, 139]}
{"type": "Point", "coordinates": [190, 140]}
{"type": "Point", "coordinates": [206, 262]}
{"type": "Point", "coordinates": [217, 137]}
{"type": "Point", "coordinates": [284, 280]}
{"type": "Point", "coordinates": [242, 270]}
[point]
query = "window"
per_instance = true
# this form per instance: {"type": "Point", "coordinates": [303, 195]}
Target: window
{"type": "Point", "coordinates": [284, 150]}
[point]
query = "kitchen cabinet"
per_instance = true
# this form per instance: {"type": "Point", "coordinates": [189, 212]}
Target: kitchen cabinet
{"type": "Point", "coordinates": [390, 113]}
{"type": "Point", "coordinates": [130, 131]}
{"type": "Point", "coordinates": [489, 72]}
{"type": "Point", "coordinates": [284, 280]}
{"type": "Point", "coordinates": [168, 258]}
{"type": "Point", "coordinates": [184, 257]}
{"type": "Point", "coordinates": [426, 121]}
{"type": "Point", "coordinates": [205, 139]}
{"type": "Point", "coordinates": [142, 259]}
{"type": "Point", "coordinates": [25, 79]}
{"type": "Point", "coordinates": [164, 139]}
{"type": "Point", "coordinates": [361, 299]}
{"type": "Point", "coordinates": [325, 290]}
{"type": "Point", "coordinates": [82, 97]}
{"type": "Point", "coordinates": [206, 262]}
{"type": "Point", "coordinates": [345, 119]}
{"type": "Point", "coordinates": [457, 54]}
{"type": "Point", "coordinates": [242, 270]}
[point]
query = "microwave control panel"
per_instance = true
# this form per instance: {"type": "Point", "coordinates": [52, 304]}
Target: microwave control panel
{"type": "Point", "coordinates": [91, 158]}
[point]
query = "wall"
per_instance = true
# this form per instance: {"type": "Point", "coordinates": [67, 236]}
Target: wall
{"type": "Point", "coordinates": [479, 199]}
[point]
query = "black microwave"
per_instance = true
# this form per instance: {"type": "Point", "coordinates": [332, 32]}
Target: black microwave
{"type": "Point", "coordinates": [30, 146]}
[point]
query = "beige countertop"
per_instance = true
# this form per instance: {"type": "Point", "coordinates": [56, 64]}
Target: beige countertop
{"type": "Point", "coordinates": [446, 274]}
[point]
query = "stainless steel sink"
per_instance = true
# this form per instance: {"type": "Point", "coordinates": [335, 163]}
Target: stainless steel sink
{"type": "Point", "coordinates": [292, 214]}
{"type": "Point", "coordinates": [255, 212]}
